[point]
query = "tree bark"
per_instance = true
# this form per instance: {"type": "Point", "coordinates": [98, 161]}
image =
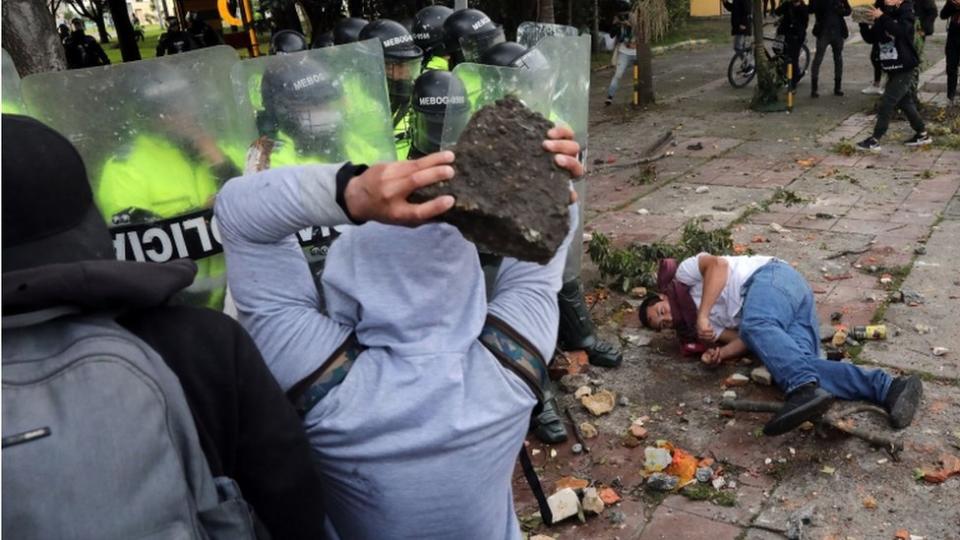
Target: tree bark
{"type": "Point", "coordinates": [546, 14]}
{"type": "Point", "coordinates": [30, 36]}
{"type": "Point", "coordinates": [766, 95]}
{"type": "Point", "coordinates": [101, 26]}
{"type": "Point", "coordinates": [645, 66]}
{"type": "Point", "coordinates": [121, 21]}
{"type": "Point", "coordinates": [595, 26]}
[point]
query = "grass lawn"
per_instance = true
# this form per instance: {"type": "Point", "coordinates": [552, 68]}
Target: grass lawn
{"type": "Point", "coordinates": [713, 29]}
{"type": "Point", "coordinates": [148, 47]}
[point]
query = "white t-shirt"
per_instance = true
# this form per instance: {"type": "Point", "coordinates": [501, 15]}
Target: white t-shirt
{"type": "Point", "coordinates": [726, 311]}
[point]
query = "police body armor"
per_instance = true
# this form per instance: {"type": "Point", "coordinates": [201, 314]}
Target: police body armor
{"type": "Point", "coordinates": [12, 102]}
{"type": "Point", "coordinates": [157, 151]}
{"type": "Point", "coordinates": [324, 105]}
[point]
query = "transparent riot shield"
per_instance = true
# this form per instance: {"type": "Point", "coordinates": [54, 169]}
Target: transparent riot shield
{"type": "Point", "coordinates": [530, 33]}
{"type": "Point", "coordinates": [10, 101]}
{"type": "Point", "coordinates": [158, 137]}
{"type": "Point", "coordinates": [326, 105]}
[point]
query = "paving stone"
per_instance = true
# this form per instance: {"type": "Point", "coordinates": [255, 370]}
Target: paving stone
{"type": "Point", "coordinates": [626, 227]}
{"type": "Point", "coordinates": [667, 524]}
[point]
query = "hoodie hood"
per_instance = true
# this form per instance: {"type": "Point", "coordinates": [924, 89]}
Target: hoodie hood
{"type": "Point", "coordinates": [413, 291]}
{"type": "Point", "coordinates": [95, 285]}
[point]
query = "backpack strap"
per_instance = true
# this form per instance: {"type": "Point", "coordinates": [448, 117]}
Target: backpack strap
{"type": "Point", "coordinates": [308, 392]}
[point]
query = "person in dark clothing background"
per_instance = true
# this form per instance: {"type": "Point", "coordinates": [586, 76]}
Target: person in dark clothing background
{"type": "Point", "coordinates": [175, 40]}
{"type": "Point", "coordinates": [203, 35]}
{"type": "Point", "coordinates": [830, 29]}
{"type": "Point", "coordinates": [951, 13]}
{"type": "Point", "coordinates": [926, 15]}
{"type": "Point", "coordinates": [893, 30]}
{"type": "Point", "coordinates": [874, 88]}
{"type": "Point", "coordinates": [80, 49]}
{"type": "Point", "coordinates": [247, 429]}
{"type": "Point", "coordinates": [740, 21]}
{"type": "Point", "coordinates": [794, 18]}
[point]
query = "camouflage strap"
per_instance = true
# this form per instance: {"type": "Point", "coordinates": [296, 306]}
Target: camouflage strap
{"type": "Point", "coordinates": [307, 393]}
{"type": "Point", "coordinates": [516, 354]}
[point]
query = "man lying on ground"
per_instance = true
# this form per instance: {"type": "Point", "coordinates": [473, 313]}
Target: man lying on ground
{"type": "Point", "coordinates": [762, 305]}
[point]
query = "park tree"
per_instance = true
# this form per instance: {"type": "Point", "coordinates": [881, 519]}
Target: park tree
{"type": "Point", "coordinates": [650, 20]}
{"type": "Point", "coordinates": [30, 36]}
{"type": "Point", "coordinates": [95, 11]}
{"type": "Point", "coordinates": [125, 34]}
{"type": "Point", "coordinates": [545, 13]}
{"type": "Point", "coordinates": [766, 96]}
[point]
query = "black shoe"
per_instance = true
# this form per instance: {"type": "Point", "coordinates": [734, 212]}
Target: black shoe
{"type": "Point", "coordinates": [577, 331]}
{"type": "Point", "coordinates": [608, 102]}
{"type": "Point", "coordinates": [806, 403]}
{"type": "Point", "coordinates": [548, 425]}
{"type": "Point", "coordinates": [838, 92]}
{"type": "Point", "coordinates": [903, 397]}
{"type": "Point", "coordinates": [868, 145]}
{"type": "Point", "coordinates": [919, 139]}
{"type": "Point", "coordinates": [814, 94]}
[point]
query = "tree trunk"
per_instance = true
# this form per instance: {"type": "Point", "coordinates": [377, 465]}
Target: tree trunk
{"type": "Point", "coordinates": [101, 27]}
{"type": "Point", "coordinates": [595, 26]}
{"type": "Point", "coordinates": [121, 21]}
{"type": "Point", "coordinates": [766, 96]}
{"type": "Point", "coordinates": [569, 12]}
{"type": "Point", "coordinates": [645, 66]}
{"type": "Point", "coordinates": [30, 36]}
{"type": "Point", "coordinates": [546, 12]}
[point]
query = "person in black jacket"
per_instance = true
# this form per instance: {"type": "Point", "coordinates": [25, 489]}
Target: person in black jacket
{"type": "Point", "coordinates": [246, 427]}
{"type": "Point", "coordinates": [82, 50]}
{"type": "Point", "coordinates": [794, 18]}
{"type": "Point", "coordinates": [893, 31]}
{"type": "Point", "coordinates": [740, 22]}
{"type": "Point", "coordinates": [927, 15]}
{"type": "Point", "coordinates": [175, 40]}
{"type": "Point", "coordinates": [830, 29]}
{"type": "Point", "coordinates": [951, 13]}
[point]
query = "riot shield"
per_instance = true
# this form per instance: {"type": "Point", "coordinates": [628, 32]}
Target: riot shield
{"type": "Point", "coordinates": [158, 137]}
{"type": "Point", "coordinates": [10, 101]}
{"type": "Point", "coordinates": [530, 33]}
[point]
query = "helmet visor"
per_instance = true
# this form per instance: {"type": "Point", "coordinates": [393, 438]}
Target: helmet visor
{"type": "Point", "coordinates": [474, 45]}
{"type": "Point", "coordinates": [400, 77]}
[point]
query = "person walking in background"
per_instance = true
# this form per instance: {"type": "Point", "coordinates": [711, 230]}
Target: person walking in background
{"type": "Point", "coordinates": [624, 48]}
{"type": "Point", "coordinates": [740, 21]}
{"type": "Point", "coordinates": [926, 16]}
{"type": "Point", "coordinates": [951, 13]}
{"type": "Point", "coordinates": [830, 29]}
{"type": "Point", "coordinates": [875, 88]}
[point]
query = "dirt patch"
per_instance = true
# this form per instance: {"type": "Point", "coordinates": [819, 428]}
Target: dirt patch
{"type": "Point", "coordinates": [511, 198]}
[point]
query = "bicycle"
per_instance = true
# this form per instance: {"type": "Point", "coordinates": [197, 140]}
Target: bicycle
{"type": "Point", "coordinates": [742, 70]}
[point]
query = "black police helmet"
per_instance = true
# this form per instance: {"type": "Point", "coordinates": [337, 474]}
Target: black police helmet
{"type": "Point", "coordinates": [287, 41]}
{"type": "Point", "coordinates": [323, 40]}
{"type": "Point", "coordinates": [397, 42]}
{"type": "Point", "coordinates": [436, 95]}
{"type": "Point", "coordinates": [503, 54]}
{"type": "Point", "coordinates": [299, 82]}
{"type": "Point", "coordinates": [428, 31]}
{"type": "Point", "coordinates": [348, 30]}
{"type": "Point", "coordinates": [463, 23]}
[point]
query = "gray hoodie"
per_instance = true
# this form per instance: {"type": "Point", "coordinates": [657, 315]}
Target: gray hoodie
{"type": "Point", "coordinates": [420, 439]}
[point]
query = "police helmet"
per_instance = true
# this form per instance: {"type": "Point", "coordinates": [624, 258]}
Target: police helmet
{"type": "Point", "coordinates": [436, 95]}
{"type": "Point", "coordinates": [159, 87]}
{"type": "Point", "coordinates": [348, 30]}
{"type": "Point", "coordinates": [323, 40]}
{"type": "Point", "coordinates": [428, 29]}
{"type": "Point", "coordinates": [468, 25]}
{"type": "Point", "coordinates": [287, 41]}
{"type": "Point", "coordinates": [514, 55]}
{"type": "Point", "coordinates": [300, 98]}
{"type": "Point", "coordinates": [397, 42]}
{"type": "Point", "coordinates": [622, 5]}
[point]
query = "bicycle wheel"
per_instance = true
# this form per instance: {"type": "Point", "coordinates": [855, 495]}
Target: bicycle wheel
{"type": "Point", "coordinates": [741, 70]}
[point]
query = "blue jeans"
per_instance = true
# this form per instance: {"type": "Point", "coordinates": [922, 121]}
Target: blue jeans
{"type": "Point", "coordinates": [624, 61]}
{"type": "Point", "coordinates": [779, 324]}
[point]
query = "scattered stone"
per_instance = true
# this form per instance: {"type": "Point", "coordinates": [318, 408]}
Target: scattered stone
{"type": "Point", "coordinates": [718, 482]}
{"type": "Point", "coordinates": [617, 517]}
{"type": "Point", "coordinates": [583, 391]}
{"type": "Point", "coordinates": [638, 292]}
{"type": "Point", "coordinates": [797, 521]}
{"type": "Point", "coordinates": [921, 329]}
{"type": "Point", "coordinates": [704, 474]}
{"type": "Point", "coordinates": [643, 212]}
{"type": "Point", "coordinates": [701, 189]}
{"type": "Point", "coordinates": [695, 146]}
{"type": "Point", "coordinates": [609, 496]}
{"type": "Point", "coordinates": [572, 483]}
{"type": "Point", "coordinates": [624, 401]}
{"type": "Point", "coordinates": [732, 485]}
{"type": "Point", "coordinates": [767, 461]}
{"type": "Point", "coordinates": [577, 448]}
{"type": "Point", "coordinates": [588, 430]}
{"type": "Point", "coordinates": [573, 381]}
{"type": "Point", "coordinates": [637, 340]}
{"type": "Point", "coordinates": [806, 426]}
{"type": "Point", "coordinates": [587, 237]}
{"type": "Point", "coordinates": [630, 441]}
{"type": "Point", "coordinates": [920, 250]}
{"type": "Point", "coordinates": [516, 206]}
{"type": "Point", "coordinates": [778, 228]}
{"type": "Point", "coordinates": [638, 431]}
{"type": "Point", "coordinates": [760, 375]}
{"type": "Point", "coordinates": [869, 503]}
{"type": "Point", "coordinates": [723, 208]}
{"type": "Point", "coordinates": [940, 351]}
{"type": "Point", "coordinates": [662, 482]}
{"type": "Point", "coordinates": [563, 504]}
{"type": "Point", "coordinates": [707, 400]}
{"type": "Point", "coordinates": [656, 459]}
{"type": "Point", "coordinates": [592, 502]}
{"type": "Point", "coordinates": [737, 379]}
{"type": "Point", "coordinates": [729, 394]}
{"type": "Point", "coordinates": [599, 403]}
{"type": "Point", "coordinates": [886, 279]}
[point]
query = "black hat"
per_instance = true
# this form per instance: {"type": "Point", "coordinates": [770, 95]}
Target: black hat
{"type": "Point", "coordinates": [396, 40]}
{"type": "Point", "coordinates": [348, 30]}
{"type": "Point", "coordinates": [428, 29]}
{"type": "Point", "coordinates": [48, 211]}
{"type": "Point", "coordinates": [287, 41]}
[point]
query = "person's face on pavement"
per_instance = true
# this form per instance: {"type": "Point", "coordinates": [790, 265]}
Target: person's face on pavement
{"type": "Point", "coordinates": [659, 315]}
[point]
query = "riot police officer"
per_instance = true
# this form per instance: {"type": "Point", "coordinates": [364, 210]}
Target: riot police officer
{"type": "Point", "coordinates": [402, 61]}
{"type": "Point", "coordinates": [287, 41]}
{"type": "Point", "coordinates": [348, 30]}
{"type": "Point", "coordinates": [175, 40]}
{"type": "Point", "coordinates": [468, 33]}
{"type": "Point", "coordinates": [322, 40]}
{"type": "Point", "coordinates": [436, 95]}
{"type": "Point", "coordinates": [428, 35]}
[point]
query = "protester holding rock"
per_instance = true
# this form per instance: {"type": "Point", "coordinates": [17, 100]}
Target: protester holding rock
{"type": "Point", "coordinates": [764, 306]}
{"type": "Point", "coordinates": [830, 29]}
{"type": "Point", "coordinates": [406, 307]}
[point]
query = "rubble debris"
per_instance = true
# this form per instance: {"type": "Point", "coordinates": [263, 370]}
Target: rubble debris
{"type": "Point", "coordinates": [637, 340]}
{"type": "Point", "coordinates": [704, 474]}
{"type": "Point", "coordinates": [583, 391]}
{"type": "Point", "coordinates": [637, 430]}
{"type": "Point", "coordinates": [624, 401]}
{"type": "Point", "coordinates": [592, 502]}
{"type": "Point", "coordinates": [921, 329]}
{"type": "Point", "coordinates": [886, 279]}
{"type": "Point", "coordinates": [797, 521]}
{"type": "Point", "coordinates": [737, 379]}
{"type": "Point", "coordinates": [588, 430]}
{"type": "Point", "coordinates": [920, 250]}
{"type": "Point", "coordinates": [761, 375]}
{"type": "Point", "coordinates": [643, 212]}
{"type": "Point", "coordinates": [656, 459]}
{"type": "Point", "coordinates": [939, 351]}
{"type": "Point", "coordinates": [718, 482]}
{"type": "Point", "coordinates": [630, 441]}
{"type": "Point", "coordinates": [950, 466]}
{"type": "Point", "coordinates": [869, 503]}
{"type": "Point", "coordinates": [638, 292]}
{"type": "Point", "coordinates": [571, 482]}
{"type": "Point", "coordinates": [828, 470]}
{"type": "Point", "coordinates": [778, 228]}
{"type": "Point", "coordinates": [577, 448]}
{"type": "Point", "coordinates": [695, 146]}
{"type": "Point", "coordinates": [617, 517]}
{"type": "Point", "coordinates": [609, 496]}
{"type": "Point", "coordinates": [662, 482]}
{"type": "Point", "coordinates": [599, 403]}
{"type": "Point", "coordinates": [729, 394]}
{"type": "Point", "coordinates": [701, 190]}
{"type": "Point", "coordinates": [563, 504]}
{"type": "Point", "coordinates": [838, 277]}
{"type": "Point", "coordinates": [573, 381]}
{"type": "Point", "coordinates": [684, 466]}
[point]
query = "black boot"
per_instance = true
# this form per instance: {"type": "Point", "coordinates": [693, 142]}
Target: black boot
{"type": "Point", "coordinates": [902, 401]}
{"type": "Point", "coordinates": [808, 402]}
{"type": "Point", "coordinates": [577, 331]}
{"type": "Point", "coordinates": [548, 424]}
{"type": "Point", "coordinates": [813, 89]}
{"type": "Point", "coordinates": [837, 88]}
